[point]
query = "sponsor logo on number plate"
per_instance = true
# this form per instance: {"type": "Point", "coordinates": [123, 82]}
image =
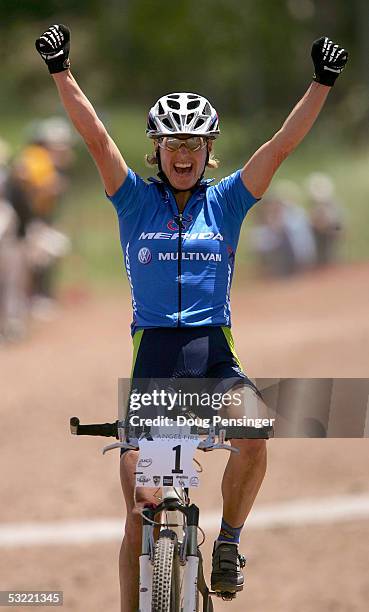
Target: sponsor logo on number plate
{"type": "Point", "coordinates": [156, 480]}
{"type": "Point", "coordinates": [143, 463]}
{"type": "Point", "coordinates": [181, 481]}
{"type": "Point", "coordinates": [194, 481]}
{"type": "Point", "coordinates": [167, 481]}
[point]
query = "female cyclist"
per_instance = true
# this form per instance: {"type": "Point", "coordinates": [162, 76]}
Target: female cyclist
{"type": "Point", "coordinates": [179, 236]}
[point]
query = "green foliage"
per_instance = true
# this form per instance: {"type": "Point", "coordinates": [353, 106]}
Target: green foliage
{"type": "Point", "coordinates": [251, 58]}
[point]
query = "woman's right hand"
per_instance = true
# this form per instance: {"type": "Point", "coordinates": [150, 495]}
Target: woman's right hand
{"type": "Point", "coordinates": [53, 46]}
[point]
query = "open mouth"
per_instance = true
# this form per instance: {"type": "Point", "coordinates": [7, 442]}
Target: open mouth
{"type": "Point", "coordinates": [182, 168]}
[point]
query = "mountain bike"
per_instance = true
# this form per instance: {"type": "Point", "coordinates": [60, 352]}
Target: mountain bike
{"type": "Point", "coordinates": [171, 567]}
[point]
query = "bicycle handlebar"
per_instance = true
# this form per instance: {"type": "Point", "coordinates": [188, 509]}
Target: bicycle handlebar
{"type": "Point", "coordinates": [111, 430]}
{"type": "Point", "coordinates": [108, 430]}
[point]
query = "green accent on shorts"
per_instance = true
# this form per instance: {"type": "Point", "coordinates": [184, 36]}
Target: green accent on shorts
{"type": "Point", "coordinates": [136, 345]}
{"type": "Point", "coordinates": [228, 334]}
{"type": "Point", "coordinates": [226, 331]}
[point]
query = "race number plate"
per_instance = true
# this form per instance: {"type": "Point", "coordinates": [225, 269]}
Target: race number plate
{"type": "Point", "coordinates": [167, 461]}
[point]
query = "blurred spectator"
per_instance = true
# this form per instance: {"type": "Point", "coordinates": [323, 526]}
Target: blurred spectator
{"type": "Point", "coordinates": [32, 187]}
{"type": "Point", "coordinates": [282, 237]}
{"type": "Point", "coordinates": [43, 163]}
{"type": "Point", "coordinates": [326, 217]}
{"type": "Point", "coordinates": [36, 183]}
{"type": "Point", "coordinates": [13, 262]}
{"type": "Point", "coordinates": [4, 160]}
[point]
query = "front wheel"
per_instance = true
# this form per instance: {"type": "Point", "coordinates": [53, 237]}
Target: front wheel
{"type": "Point", "coordinates": [166, 578]}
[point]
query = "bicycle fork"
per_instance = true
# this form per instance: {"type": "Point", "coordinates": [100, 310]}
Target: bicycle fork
{"type": "Point", "coordinates": [189, 556]}
{"type": "Point", "coordinates": [190, 586]}
{"type": "Point", "coordinates": [145, 583]}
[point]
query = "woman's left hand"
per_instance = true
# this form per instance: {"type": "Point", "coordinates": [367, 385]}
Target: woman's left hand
{"type": "Point", "coordinates": [329, 60]}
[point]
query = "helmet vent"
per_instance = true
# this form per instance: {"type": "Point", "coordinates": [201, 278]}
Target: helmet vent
{"type": "Point", "coordinates": [174, 104]}
{"type": "Point", "coordinates": [207, 109]}
{"type": "Point", "coordinates": [160, 109]}
{"type": "Point", "coordinates": [167, 123]}
{"type": "Point", "coordinates": [177, 118]}
{"type": "Point", "coordinates": [193, 104]}
{"type": "Point", "coordinates": [190, 117]}
{"type": "Point", "coordinates": [173, 96]}
{"type": "Point", "coordinates": [199, 123]}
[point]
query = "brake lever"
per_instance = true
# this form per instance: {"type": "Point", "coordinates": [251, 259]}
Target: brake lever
{"type": "Point", "coordinates": [119, 445]}
{"type": "Point", "coordinates": [209, 443]}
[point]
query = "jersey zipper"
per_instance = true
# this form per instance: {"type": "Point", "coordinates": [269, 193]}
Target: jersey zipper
{"type": "Point", "coordinates": [179, 269]}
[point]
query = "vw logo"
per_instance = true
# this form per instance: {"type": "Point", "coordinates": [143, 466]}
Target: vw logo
{"type": "Point", "coordinates": [144, 255]}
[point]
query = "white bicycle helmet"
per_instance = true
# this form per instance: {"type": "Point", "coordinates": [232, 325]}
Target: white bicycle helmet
{"type": "Point", "coordinates": [186, 114]}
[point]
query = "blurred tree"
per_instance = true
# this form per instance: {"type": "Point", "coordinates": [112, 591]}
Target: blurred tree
{"type": "Point", "coordinates": [251, 58]}
{"type": "Point", "coordinates": [362, 26]}
{"type": "Point", "coordinates": [32, 9]}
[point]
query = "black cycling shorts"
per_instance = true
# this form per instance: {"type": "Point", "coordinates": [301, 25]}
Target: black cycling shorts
{"type": "Point", "coordinates": [188, 352]}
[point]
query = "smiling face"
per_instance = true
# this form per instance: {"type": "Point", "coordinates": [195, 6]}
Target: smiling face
{"type": "Point", "coordinates": [183, 167]}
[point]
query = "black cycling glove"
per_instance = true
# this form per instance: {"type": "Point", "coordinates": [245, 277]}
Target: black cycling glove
{"type": "Point", "coordinates": [53, 46]}
{"type": "Point", "coordinates": [329, 60]}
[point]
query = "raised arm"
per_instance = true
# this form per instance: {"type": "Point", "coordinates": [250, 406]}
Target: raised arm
{"type": "Point", "coordinates": [53, 47]}
{"type": "Point", "coordinates": [329, 60]}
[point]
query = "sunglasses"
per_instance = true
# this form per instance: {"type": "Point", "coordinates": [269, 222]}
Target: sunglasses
{"type": "Point", "coordinates": [193, 143]}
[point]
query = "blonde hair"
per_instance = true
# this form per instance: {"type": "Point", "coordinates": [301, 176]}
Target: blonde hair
{"type": "Point", "coordinates": [151, 159]}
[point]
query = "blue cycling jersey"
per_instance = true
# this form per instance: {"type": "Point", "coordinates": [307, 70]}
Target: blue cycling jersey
{"type": "Point", "coordinates": [180, 265]}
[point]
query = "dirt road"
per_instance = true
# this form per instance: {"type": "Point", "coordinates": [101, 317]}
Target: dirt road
{"type": "Point", "coordinates": [316, 326]}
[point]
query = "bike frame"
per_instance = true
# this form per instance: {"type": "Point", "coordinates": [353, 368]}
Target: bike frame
{"type": "Point", "coordinates": [181, 518]}
{"type": "Point", "coordinates": [176, 509]}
